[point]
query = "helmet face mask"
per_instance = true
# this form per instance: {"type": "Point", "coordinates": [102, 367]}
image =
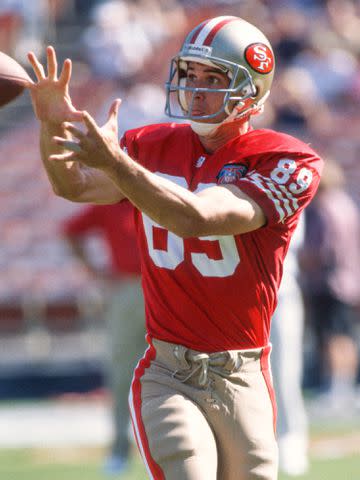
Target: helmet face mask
{"type": "Point", "coordinates": [233, 46]}
{"type": "Point", "coordinates": [241, 87]}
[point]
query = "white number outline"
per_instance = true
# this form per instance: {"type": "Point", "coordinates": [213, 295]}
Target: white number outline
{"type": "Point", "coordinates": [174, 255]}
{"type": "Point", "coordinates": [285, 168]}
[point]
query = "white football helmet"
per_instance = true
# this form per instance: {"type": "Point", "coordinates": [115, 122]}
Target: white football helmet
{"type": "Point", "coordinates": [235, 47]}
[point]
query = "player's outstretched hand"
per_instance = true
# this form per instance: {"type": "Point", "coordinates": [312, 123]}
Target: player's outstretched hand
{"type": "Point", "coordinates": [50, 94]}
{"type": "Point", "coordinates": [98, 147]}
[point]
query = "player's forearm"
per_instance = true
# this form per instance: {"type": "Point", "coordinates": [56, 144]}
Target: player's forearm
{"type": "Point", "coordinates": [213, 211]}
{"type": "Point", "coordinates": [168, 204]}
{"type": "Point", "coordinates": [65, 177]}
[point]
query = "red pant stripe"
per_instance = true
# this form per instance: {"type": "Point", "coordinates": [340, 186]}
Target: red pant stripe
{"type": "Point", "coordinates": [265, 368]}
{"type": "Point", "coordinates": [153, 469]}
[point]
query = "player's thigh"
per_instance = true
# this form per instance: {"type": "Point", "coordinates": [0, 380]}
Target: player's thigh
{"type": "Point", "coordinates": [246, 438]}
{"type": "Point", "coordinates": [179, 438]}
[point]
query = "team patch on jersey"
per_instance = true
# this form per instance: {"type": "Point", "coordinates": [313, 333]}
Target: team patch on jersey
{"type": "Point", "coordinates": [231, 172]}
{"type": "Point", "coordinates": [260, 57]}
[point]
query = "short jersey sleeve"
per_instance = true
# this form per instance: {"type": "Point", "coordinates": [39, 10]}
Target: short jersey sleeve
{"type": "Point", "coordinates": [282, 185]}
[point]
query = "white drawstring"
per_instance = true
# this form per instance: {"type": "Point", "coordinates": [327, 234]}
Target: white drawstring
{"type": "Point", "coordinates": [207, 362]}
{"type": "Point", "coordinates": [202, 361]}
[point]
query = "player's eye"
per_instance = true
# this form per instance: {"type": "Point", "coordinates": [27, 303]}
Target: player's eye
{"type": "Point", "coordinates": [191, 78]}
{"type": "Point", "coordinates": [213, 81]}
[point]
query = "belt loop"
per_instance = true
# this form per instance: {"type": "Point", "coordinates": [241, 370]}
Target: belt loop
{"type": "Point", "coordinates": [179, 352]}
{"type": "Point", "coordinates": [234, 362]}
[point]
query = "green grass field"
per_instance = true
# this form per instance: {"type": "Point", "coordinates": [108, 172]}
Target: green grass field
{"type": "Point", "coordinates": [334, 455]}
{"type": "Point", "coordinates": [34, 465]}
{"type": "Point", "coordinates": [85, 464]}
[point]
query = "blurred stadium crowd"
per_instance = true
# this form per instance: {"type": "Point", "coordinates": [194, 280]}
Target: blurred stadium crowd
{"type": "Point", "coordinates": [122, 49]}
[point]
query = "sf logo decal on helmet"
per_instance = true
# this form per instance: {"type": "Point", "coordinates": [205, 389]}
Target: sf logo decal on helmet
{"type": "Point", "coordinates": [260, 57]}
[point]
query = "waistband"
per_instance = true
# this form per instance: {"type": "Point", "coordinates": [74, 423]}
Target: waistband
{"type": "Point", "coordinates": [185, 361]}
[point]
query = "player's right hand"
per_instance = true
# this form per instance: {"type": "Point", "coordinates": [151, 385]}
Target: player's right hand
{"type": "Point", "coordinates": [50, 94]}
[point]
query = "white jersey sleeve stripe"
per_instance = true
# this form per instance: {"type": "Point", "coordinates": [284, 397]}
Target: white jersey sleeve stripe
{"type": "Point", "coordinates": [291, 197]}
{"type": "Point", "coordinates": [281, 198]}
{"type": "Point", "coordinates": [284, 201]}
{"type": "Point", "coordinates": [258, 181]}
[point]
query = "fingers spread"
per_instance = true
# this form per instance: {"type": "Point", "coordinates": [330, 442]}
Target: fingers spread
{"type": "Point", "coordinates": [76, 132]}
{"type": "Point", "coordinates": [113, 114]}
{"type": "Point", "coordinates": [89, 122]}
{"type": "Point", "coordinates": [114, 109]}
{"type": "Point", "coordinates": [72, 146]}
{"type": "Point", "coordinates": [65, 75]}
{"type": "Point", "coordinates": [67, 144]}
{"type": "Point", "coordinates": [75, 115]}
{"type": "Point", "coordinates": [64, 157]}
{"type": "Point", "coordinates": [52, 63]}
{"type": "Point", "coordinates": [37, 66]}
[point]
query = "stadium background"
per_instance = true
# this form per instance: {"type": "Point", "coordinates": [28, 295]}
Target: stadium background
{"type": "Point", "coordinates": [52, 338]}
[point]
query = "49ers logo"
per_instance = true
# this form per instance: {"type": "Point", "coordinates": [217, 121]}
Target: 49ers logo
{"type": "Point", "coordinates": [260, 57]}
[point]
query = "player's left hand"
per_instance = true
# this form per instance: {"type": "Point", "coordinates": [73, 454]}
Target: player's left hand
{"type": "Point", "coordinates": [98, 147]}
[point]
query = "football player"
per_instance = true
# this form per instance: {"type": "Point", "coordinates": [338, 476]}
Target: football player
{"type": "Point", "coordinates": [217, 203]}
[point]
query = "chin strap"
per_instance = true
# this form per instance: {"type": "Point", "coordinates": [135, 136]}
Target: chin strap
{"type": "Point", "coordinates": [204, 129]}
{"type": "Point", "coordinates": [207, 129]}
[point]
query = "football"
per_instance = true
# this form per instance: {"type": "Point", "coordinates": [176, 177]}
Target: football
{"type": "Point", "coordinates": [12, 79]}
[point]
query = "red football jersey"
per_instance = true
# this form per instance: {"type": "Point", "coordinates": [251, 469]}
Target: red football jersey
{"type": "Point", "coordinates": [219, 292]}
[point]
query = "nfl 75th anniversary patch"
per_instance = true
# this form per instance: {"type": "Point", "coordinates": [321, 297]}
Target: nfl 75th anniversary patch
{"type": "Point", "coordinates": [231, 172]}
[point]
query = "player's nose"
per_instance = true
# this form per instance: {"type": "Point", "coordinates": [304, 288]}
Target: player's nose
{"type": "Point", "coordinates": [199, 95]}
